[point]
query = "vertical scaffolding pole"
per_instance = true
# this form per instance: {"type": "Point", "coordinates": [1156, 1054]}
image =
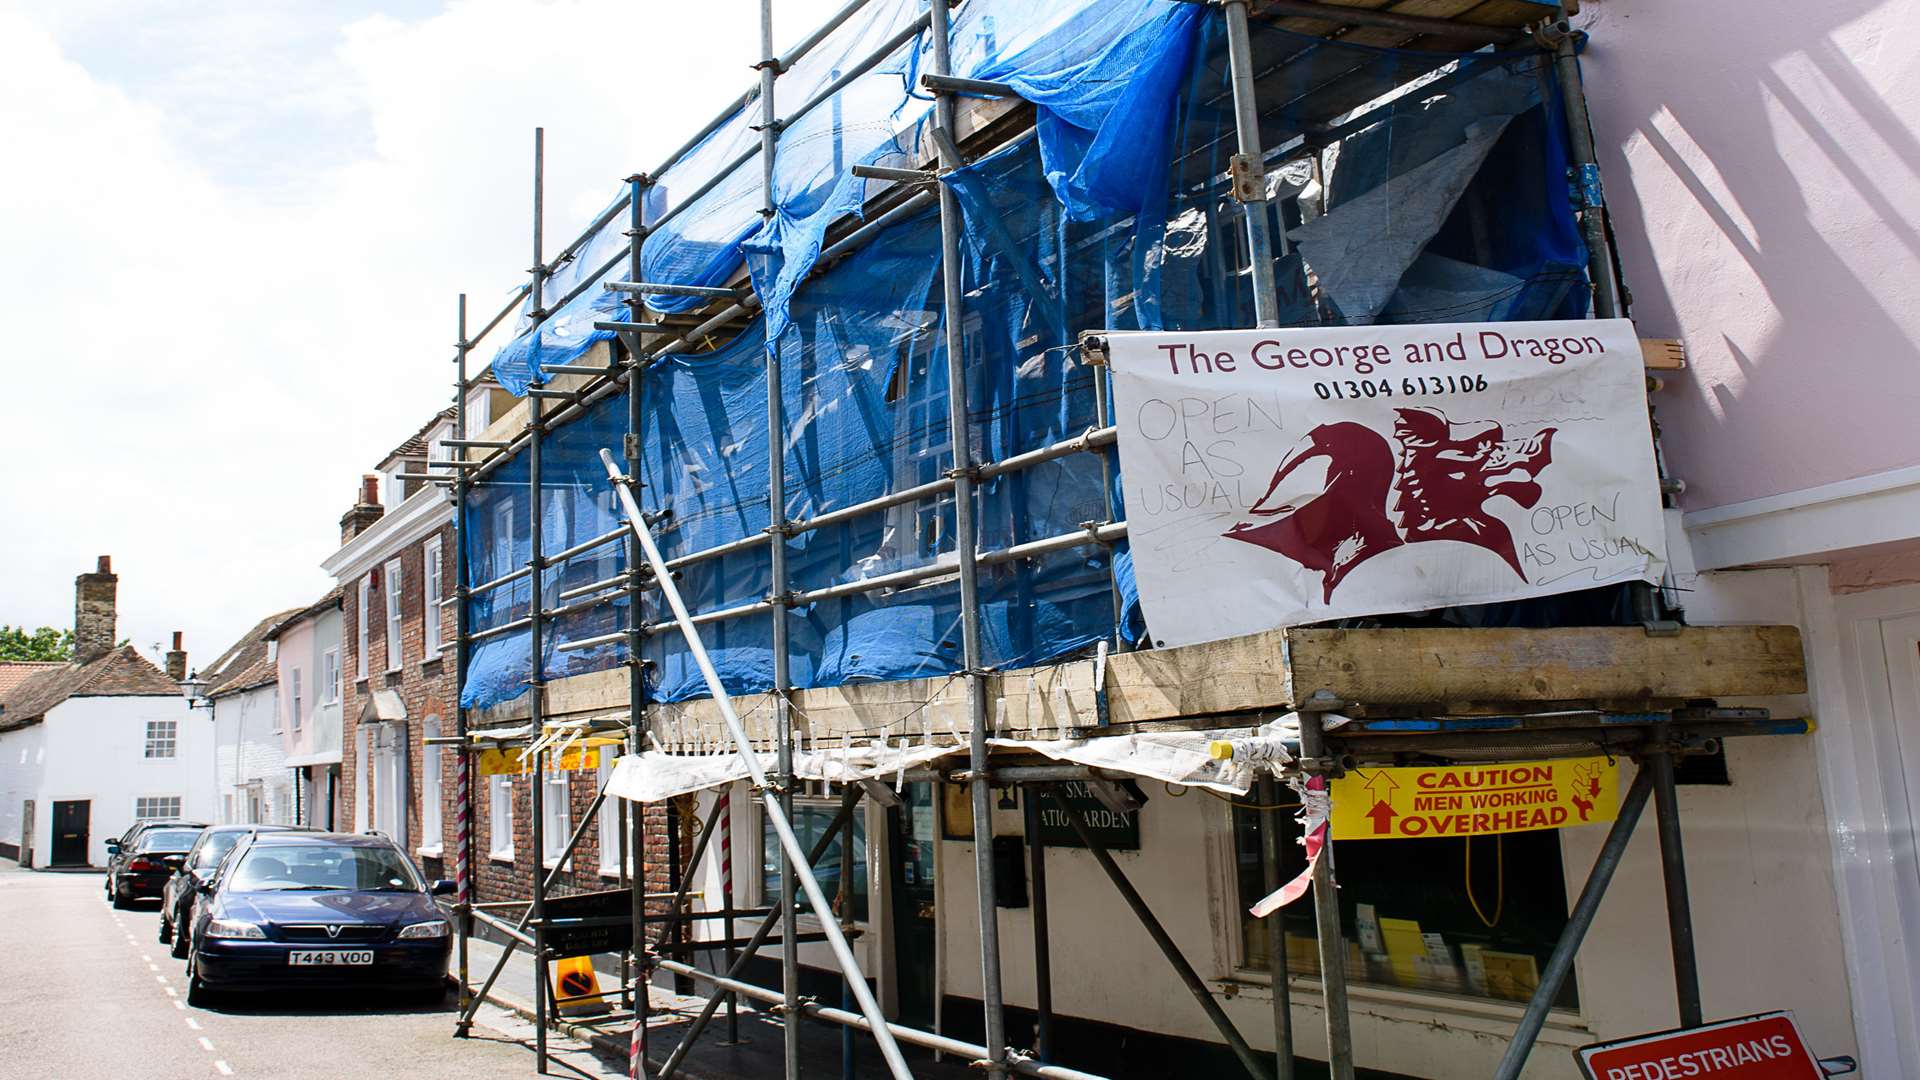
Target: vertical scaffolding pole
{"type": "Point", "coordinates": [965, 548]}
{"type": "Point", "coordinates": [1268, 792]}
{"type": "Point", "coordinates": [769, 68]}
{"type": "Point", "coordinates": [463, 771]}
{"type": "Point", "coordinates": [1249, 165]}
{"type": "Point", "coordinates": [636, 831]}
{"type": "Point", "coordinates": [536, 428]}
{"type": "Point", "coordinates": [1673, 869]}
{"type": "Point", "coordinates": [1326, 921]}
{"type": "Point", "coordinates": [1586, 165]}
{"type": "Point", "coordinates": [1042, 946]}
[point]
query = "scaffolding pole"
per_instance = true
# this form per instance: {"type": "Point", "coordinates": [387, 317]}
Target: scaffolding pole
{"type": "Point", "coordinates": [1326, 910]}
{"type": "Point", "coordinates": [1248, 167]}
{"type": "Point", "coordinates": [463, 894]}
{"type": "Point", "coordinates": [636, 666]}
{"type": "Point", "coordinates": [966, 547]}
{"type": "Point", "coordinates": [1268, 792]}
{"type": "Point", "coordinates": [776, 814]}
{"type": "Point", "coordinates": [536, 567]}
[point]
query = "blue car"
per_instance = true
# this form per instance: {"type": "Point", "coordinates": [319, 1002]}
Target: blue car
{"type": "Point", "coordinates": [322, 910]}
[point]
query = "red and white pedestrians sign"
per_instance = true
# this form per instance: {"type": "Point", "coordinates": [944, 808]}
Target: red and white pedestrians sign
{"type": "Point", "coordinates": [1763, 1047]}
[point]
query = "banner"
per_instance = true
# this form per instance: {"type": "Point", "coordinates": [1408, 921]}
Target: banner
{"type": "Point", "coordinates": [1280, 477]}
{"type": "Point", "coordinates": [510, 762]}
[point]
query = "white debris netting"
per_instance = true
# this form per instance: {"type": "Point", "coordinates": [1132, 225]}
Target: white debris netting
{"type": "Point", "coordinates": [1176, 757]}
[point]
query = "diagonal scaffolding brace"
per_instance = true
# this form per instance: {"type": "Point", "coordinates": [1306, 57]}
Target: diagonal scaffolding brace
{"type": "Point", "coordinates": [776, 816]}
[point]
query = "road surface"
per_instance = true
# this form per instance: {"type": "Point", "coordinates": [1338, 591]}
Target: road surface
{"type": "Point", "coordinates": [88, 992]}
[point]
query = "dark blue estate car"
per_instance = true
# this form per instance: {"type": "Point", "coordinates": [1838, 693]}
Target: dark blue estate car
{"type": "Point", "coordinates": [291, 910]}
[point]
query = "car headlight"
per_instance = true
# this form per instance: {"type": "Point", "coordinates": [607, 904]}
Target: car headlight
{"type": "Point", "coordinates": [234, 928]}
{"type": "Point", "coordinates": [438, 928]}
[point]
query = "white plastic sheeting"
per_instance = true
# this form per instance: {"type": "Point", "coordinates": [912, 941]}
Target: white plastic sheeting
{"type": "Point", "coordinates": [1176, 757]}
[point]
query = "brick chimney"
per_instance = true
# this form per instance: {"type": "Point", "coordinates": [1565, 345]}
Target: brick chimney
{"type": "Point", "coordinates": [177, 660]}
{"type": "Point", "coordinates": [365, 512]}
{"type": "Point", "coordinates": [94, 615]}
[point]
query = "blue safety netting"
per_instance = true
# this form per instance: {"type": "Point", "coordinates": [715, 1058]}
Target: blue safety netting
{"type": "Point", "coordinates": [1407, 187]}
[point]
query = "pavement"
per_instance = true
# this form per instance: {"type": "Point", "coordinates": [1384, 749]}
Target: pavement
{"type": "Point", "coordinates": [88, 993]}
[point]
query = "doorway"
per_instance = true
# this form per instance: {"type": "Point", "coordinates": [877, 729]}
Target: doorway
{"type": "Point", "coordinates": [71, 821]}
{"type": "Point", "coordinates": [912, 887]}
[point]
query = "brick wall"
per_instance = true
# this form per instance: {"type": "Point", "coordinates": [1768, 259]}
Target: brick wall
{"type": "Point", "coordinates": [427, 689]}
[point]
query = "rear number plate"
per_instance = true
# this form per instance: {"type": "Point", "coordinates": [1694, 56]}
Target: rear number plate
{"type": "Point", "coordinates": [330, 957]}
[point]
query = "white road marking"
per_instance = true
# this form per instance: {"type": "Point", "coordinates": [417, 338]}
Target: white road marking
{"type": "Point", "coordinates": [178, 1004]}
{"type": "Point", "coordinates": [206, 1044]}
{"type": "Point", "coordinates": [170, 992]}
{"type": "Point", "coordinates": [225, 1069]}
{"type": "Point", "coordinates": [161, 979]}
{"type": "Point", "coordinates": [192, 1023]}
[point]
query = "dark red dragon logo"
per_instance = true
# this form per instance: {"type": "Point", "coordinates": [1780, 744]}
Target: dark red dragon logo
{"type": "Point", "coordinates": [1439, 484]}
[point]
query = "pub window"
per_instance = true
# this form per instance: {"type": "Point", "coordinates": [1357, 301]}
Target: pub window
{"type": "Point", "coordinates": [810, 820]}
{"type": "Point", "coordinates": [1477, 917]}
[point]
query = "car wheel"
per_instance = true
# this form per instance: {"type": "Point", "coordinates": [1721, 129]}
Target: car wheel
{"type": "Point", "coordinates": [165, 934]}
{"type": "Point", "coordinates": [199, 995]}
{"type": "Point", "coordinates": [120, 901]}
{"type": "Point", "coordinates": [182, 941]}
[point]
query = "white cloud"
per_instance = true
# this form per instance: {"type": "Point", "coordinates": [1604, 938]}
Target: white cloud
{"type": "Point", "coordinates": [232, 249]}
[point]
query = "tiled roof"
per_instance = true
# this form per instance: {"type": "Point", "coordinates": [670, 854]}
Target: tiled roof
{"type": "Point", "coordinates": [120, 673]}
{"type": "Point", "coordinates": [416, 444]}
{"type": "Point", "coordinates": [244, 665]}
{"type": "Point", "coordinates": [15, 672]}
{"type": "Point", "coordinates": [331, 600]}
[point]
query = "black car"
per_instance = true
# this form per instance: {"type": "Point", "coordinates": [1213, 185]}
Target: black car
{"type": "Point", "coordinates": [136, 863]}
{"type": "Point", "coordinates": [197, 868]}
{"type": "Point", "coordinates": [308, 909]}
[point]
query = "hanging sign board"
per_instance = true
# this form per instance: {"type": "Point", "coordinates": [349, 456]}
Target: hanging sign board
{"type": "Point", "coordinates": [510, 763]}
{"type": "Point", "coordinates": [1474, 800]}
{"type": "Point", "coordinates": [1114, 830]}
{"type": "Point", "coordinates": [1763, 1047]}
{"type": "Point", "coordinates": [588, 923]}
{"type": "Point", "coordinates": [1280, 477]}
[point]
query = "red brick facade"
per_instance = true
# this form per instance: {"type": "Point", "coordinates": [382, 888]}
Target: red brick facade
{"type": "Point", "coordinates": [426, 687]}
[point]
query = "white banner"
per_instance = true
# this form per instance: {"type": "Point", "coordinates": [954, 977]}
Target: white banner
{"type": "Point", "coordinates": [1280, 477]}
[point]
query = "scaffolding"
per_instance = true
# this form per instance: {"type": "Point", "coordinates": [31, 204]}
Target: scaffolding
{"type": "Point", "coordinates": [1335, 725]}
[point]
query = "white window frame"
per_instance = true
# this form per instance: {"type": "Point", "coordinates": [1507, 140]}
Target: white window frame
{"type": "Point", "coordinates": [161, 733]}
{"type": "Point", "coordinates": [430, 554]}
{"type": "Point", "coordinates": [500, 818]}
{"type": "Point", "coordinates": [330, 677]}
{"type": "Point", "coordinates": [297, 703]}
{"type": "Point", "coordinates": [155, 812]}
{"type": "Point", "coordinates": [432, 842]}
{"type": "Point", "coordinates": [556, 808]}
{"type": "Point", "coordinates": [437, 448]}
{"type": "Point", "coordinates": [366, 601]}
{"type": "Point", "coordinates": [390, 584]}
{"type": "Point", "coordinates": [611, 812]}
{"type": "Point", "coordinates": [479, 409]}
{"type": "Point", "coordinates": [759, 840]}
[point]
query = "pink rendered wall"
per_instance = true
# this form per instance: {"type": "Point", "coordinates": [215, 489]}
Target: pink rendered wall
{"type": "Point", "coordinates": [1762, 164]}
{"type": "Point", "coordinates": [296, 650]}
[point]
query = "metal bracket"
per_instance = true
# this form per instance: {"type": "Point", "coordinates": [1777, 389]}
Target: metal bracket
{"type": "Point", "coordinates": [970, 472]}
{"type": "Point", "coordinates": [1248, 175]}
{"type": "Point", "coordinates": [630, 445]}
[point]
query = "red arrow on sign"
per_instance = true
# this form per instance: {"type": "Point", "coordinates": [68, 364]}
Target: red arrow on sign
{"type": "Point", "coordinates": [1382, 816]}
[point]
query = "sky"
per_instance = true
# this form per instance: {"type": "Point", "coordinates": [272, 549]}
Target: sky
{"type": "Point", "coordinates": [234, 232]}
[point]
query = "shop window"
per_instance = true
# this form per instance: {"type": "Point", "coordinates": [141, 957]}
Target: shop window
{"type": "Point", "coordinates": [1475, 917]}
{"type": "Point", "coordinates": [810, 820]}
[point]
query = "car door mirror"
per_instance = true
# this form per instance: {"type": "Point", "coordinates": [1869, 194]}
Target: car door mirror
{"type": "Point", "coordinates": [113, 847]}
{"type": "Point", "coordinates": [444, 887]}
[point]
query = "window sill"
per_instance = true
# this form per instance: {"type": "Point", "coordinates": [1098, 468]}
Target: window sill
{"type": "Point", "coordinates": [500, 857]}
{"type": "Point", "coordinates": [431, 852]}
{"type": "Point", "coordinates": [1418, 1006]}
{"type": "Point", "coordinates": [611, 873]}
{"type": "Point", "coordinates": [434, 659]}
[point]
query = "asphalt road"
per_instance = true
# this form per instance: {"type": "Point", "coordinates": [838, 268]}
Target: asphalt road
{"type": "Point", "coordinates": [88, 992]}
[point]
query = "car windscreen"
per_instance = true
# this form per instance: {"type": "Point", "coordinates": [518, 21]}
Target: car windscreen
{"type": "Point", "coordinates": [272, 867]}
{"type": "Point", "coordinates": [169, 839]}
{"type": "Point", "coordinates": [213, 848]}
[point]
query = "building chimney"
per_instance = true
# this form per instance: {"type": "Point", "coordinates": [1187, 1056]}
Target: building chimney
{"type": "Point", "coordinates": [365, 512]}
{"type": "Point", "coordinates": [177, 660]}
{"type": "Point", "coordinates": [94, 598]}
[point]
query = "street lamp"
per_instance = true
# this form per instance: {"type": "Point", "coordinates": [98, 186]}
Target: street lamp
{"type": "Point", "coordinates": [195, 688]}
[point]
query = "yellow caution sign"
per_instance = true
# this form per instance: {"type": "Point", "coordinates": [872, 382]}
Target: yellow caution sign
{"type": "Point", "coordinates": [510, 763]}
{"type": "Point", "coordinates": [576, 989]}
{"type": "Point", "coordinates": [1474, 800]}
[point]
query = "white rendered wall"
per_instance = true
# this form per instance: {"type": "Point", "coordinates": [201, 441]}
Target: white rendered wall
{"type": "Point", "coordinates": [251, 749]}
{"type": "Point", "coordinates": [96, 751]}
{"type": "Point", "coordinates": [23, 755]}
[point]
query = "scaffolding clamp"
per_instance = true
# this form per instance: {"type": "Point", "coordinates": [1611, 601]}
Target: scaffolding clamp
{"type": "Point", "coordinates": [1248, 175]}
{"type": "Point", "coordinates": [968, 472]}
{"type": "Point", "coordinates": [1093, 348]}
